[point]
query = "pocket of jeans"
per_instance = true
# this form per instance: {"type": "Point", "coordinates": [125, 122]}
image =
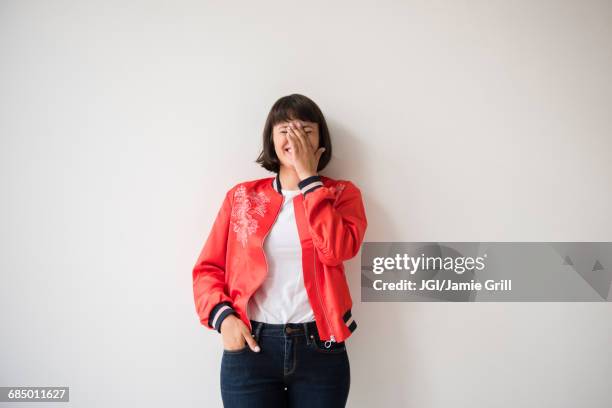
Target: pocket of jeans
{"type": "Point", "coordinates": [238, 351]}
{"type": "Point", "coordinates": [334, 348]}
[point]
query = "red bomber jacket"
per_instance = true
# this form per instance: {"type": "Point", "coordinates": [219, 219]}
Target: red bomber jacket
{"type": "Point", "coordinates": [331, 223]}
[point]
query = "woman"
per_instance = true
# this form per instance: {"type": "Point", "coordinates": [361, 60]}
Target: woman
{"type": "Point", "coordinates": [270, 277]}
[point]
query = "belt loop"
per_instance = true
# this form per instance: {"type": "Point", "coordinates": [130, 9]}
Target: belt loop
{"type": "Point", "coordinates": [305, 327]}
{"type": "Point", "coordinates": [307, 333]}
{"type": "Point", "coordinates": [258, 328]}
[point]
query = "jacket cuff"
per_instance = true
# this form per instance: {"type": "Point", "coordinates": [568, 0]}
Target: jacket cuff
{"type": "Point", "coordinates": [219, 313]}
{"type": "Point", "coordinates": [310, 184]}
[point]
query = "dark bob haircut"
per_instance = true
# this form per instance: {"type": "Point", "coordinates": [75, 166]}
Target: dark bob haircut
{"type": "Point", "coordinates": [292, 107]}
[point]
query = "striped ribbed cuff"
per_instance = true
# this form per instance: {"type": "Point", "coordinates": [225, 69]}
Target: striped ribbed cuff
{"type": "Point", "coordinates": [310, 184]}
{"type": "Point", "coordinates": [219, 313]}
{"type": "Point", "coordinates": [349, 321]}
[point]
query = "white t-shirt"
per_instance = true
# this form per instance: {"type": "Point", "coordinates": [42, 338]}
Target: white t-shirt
{"type": "Point", "coordinates": [282, 297]}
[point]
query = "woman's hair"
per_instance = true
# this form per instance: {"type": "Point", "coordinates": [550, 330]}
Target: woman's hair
{"type": "Point", "coordinates": [291, 107]}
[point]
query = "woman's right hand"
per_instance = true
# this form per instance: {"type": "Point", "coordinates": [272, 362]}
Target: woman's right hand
{"type": "Point", "coordinates": [235, 333]}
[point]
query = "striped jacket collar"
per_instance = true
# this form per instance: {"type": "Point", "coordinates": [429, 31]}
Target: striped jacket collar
{"type": "Point", "coordinates": [307, 185]}
{"type": "Point", "coordinates": [277, 184]}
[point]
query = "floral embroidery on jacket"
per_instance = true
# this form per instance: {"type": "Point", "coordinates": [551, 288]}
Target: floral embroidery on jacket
{"type": "Point", "coordinates": [246, 205]}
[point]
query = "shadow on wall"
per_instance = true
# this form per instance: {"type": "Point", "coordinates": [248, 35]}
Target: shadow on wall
{"type": "Point", "coordinates": [382, 336]}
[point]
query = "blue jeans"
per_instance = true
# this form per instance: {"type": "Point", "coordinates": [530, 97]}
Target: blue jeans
{"type": "Point", "coordinates": [293, 369]}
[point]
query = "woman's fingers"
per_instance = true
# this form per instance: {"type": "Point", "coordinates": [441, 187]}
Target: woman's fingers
{"type": "Point", "coordinates": [250, 340]}
{"type": "Point", "coordinates": [294, 148]}
{"type": "Point", "coordinates": [302, 137]}
{"type": "Point", "coordinates": [299, 139]}
{"type": "Point", "coordinates": [295, 140]}
{"type": "Point", "coordinates": [320, 153]}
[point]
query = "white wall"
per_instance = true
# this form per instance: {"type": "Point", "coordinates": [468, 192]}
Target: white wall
{"type": "Point", "coordinates": [123, 123]}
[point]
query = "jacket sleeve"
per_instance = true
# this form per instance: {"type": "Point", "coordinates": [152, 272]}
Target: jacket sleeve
{"type": "Point", "coordinates": [212, 302]}
{"type": "Point", "coordinates": [337, 222]}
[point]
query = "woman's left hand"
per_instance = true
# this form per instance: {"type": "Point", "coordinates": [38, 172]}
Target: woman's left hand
{"type": "Point", "coordinates": [305, 158]}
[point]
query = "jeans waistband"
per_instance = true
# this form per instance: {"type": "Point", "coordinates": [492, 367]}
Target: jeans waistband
{"type": "Point", "coordinates": [284, 329]}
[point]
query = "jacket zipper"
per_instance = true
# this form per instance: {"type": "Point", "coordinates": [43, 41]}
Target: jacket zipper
{"type": "Point", "coordinates": [266, 259]}
{"type": "Point", "coordinates": [314, 263]}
